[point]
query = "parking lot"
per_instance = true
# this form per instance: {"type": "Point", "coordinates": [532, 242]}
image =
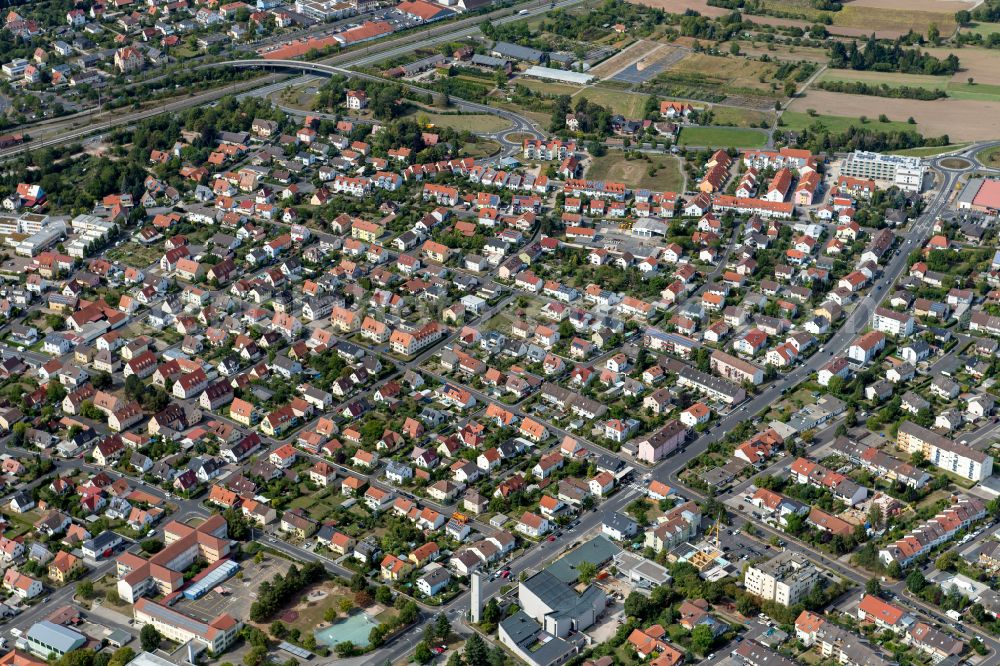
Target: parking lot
{"type": "Point", "coordinates": [239, 593]}
{"type": "Point", "coordinates": [742, 548]}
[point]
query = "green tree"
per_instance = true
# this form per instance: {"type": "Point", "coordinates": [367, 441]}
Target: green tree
{"type": "Point", "coordinates": [637, 605]}
{"type": "Point", "coordinates": [122, 656]}
{"type": "Point", "coordinates": [422, 654]}
{"type": "Point", "coordinates": [383, 595]}
{"type": "Point", "coordinates": [895, 570]}
{"type": "Point", "coordinates": [946, 561]}
{"type": "Point", "coordinates": [151, 545]}
{"type": "Point", "coordinates": [491, 612]}
{"type": "Point", "coordinates": [442, 627]}
{"type": "Point", "coordinates": [236, 524]}
{"type": "Point", "coordinates": [476, 653]}
{"type": "Point", "coordinates": [873, 587]}
{"type": "Point", "coordinates": [278, 629]}
{"type": "Point", "coordinates": [915, 581]}
{"type": "Point", "coordinates": [149, 637]}
{"type": "Point", "coordinates": [359, 582]}
{"type": "Point", "coordinates": [702, 639]}
{"type": "Point", "coordinates": [746, 605]}
{"type": "Point", "coordinates": [85, 589]}
{"type": "Point", "coordinates": [257, 656]}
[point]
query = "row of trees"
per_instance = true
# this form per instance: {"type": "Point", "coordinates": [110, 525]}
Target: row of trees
{"type": "Point", "coordinates": [273, 594]}
{"type": "Point", "coordinates": [883, 90]}
{"type": "Point", "coordinates": [593, 118]}
{"type": "Point", "coordinates": [692, 24]}
{"type": "Point", "coordinates": [87, 657]}
{"type": "Point", "coordinates": [819, 139]}
{"type": "Point", "coordinates": [987, 12]}
{"type": "Point", "coordinates": [882, 56]}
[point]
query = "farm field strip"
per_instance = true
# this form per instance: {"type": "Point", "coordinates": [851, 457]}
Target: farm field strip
{"type": "Point", "coordinates": [954, 88]}
{"type": "Point", "coordinates": [959, 119]}
{"type": "Point", "coordinates": [722, 137]}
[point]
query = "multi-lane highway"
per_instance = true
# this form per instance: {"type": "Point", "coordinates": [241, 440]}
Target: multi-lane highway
{"type": "Point", "coordinates": [81, 126]}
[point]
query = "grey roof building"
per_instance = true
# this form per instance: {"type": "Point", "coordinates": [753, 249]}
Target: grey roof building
{"type": "Point", "coordinates": [517, 52]}
{"type": "Point", "coordinates": [46, 638]}
{"type": "Point", "coordinates": [528, 641]}
{"type": "Point", "coordinates": [557, 607]}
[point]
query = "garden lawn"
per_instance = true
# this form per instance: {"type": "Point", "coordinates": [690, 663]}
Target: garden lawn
{"type": "Point", "coordinates": [135, 255]}
{"type": "Point", "coordinates": [303, 501]}
{"type": "Point", "coordinates": [722, 137]}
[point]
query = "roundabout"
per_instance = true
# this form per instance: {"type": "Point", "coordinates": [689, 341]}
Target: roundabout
{"type": "Point", "coordinates": [955, 163]}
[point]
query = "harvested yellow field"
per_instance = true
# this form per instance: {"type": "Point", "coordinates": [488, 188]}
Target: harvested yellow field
{"type": "Point", "coordinates": [961, 120]}
{"type": "Point", "coordinates": [886, 22]}
{"type": "Point", "coordinates": [983, 65]}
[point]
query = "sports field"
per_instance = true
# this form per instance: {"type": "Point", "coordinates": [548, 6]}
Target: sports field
{"type": "Point", "coordinates": [722, 137]}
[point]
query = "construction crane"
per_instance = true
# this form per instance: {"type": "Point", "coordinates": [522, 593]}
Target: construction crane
{"type": "Point", "coordinates": [717, 527]}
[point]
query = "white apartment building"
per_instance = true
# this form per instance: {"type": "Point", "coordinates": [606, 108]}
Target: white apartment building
{"type": "Point", "coordinates": [897, 324]}
{"type": "Point", "coordinates": [785, 579]}
{"type": "Point", "coordinates": [945, 453]}
{"type": "Point", "coordinates": [906, 173]}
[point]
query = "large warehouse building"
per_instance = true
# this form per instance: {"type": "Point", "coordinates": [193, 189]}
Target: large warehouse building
{"type": "Point", "coordinates": [981, 194]}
